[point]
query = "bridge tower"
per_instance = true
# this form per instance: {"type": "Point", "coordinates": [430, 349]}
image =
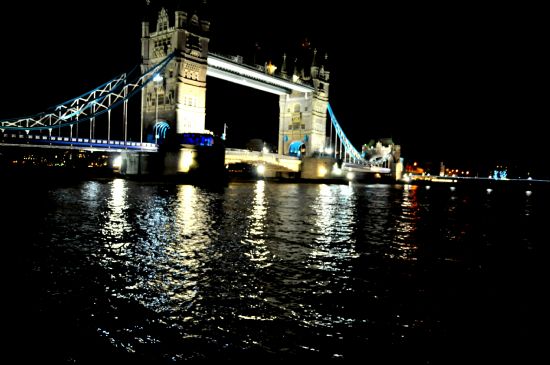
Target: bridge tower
{"type": "Point", "coordinates": [179, 95]}
{"type": "Point", "coordinates": [303, 116]}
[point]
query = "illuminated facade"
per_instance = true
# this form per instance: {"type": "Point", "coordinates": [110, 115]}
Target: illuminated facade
{"type": "Point", "coordinates": [303, 115]}
{"type": "Point", "coordinates": [178, 96]}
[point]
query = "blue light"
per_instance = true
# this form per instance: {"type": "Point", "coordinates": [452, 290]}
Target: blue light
{"type": "Point", "coordinates": [296, 148]}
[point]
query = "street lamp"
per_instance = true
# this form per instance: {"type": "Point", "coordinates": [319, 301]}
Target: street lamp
{"type": "Point", "coordinates": [157, 79]}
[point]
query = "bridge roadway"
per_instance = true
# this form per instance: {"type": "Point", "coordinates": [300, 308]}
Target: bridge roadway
{"type": "Point", "coordinates": [85, 144]}
{"type": "Point", "coordinates": [232, 70]}
{"type": "Point", "coordinates": [289, 163]}
{"type": "Point", "coordinates": [352, 167]}
{"type": "Point", "coordinates": [273, 161]}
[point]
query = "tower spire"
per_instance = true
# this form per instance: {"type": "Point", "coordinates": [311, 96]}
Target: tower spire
{"type": "Point", "coordinates": [314, 61]}
{"type": "Point", "coordinates": [283, 67]}
{"type": "Point", "coordinates": [314, 66]}
{"type": "Point", "coordinates": [296, 73]}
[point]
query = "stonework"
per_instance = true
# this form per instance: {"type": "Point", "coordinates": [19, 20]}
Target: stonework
{"type": "Point", "coordinates": [180, 98]}
{"type": "Point", "coordinates": [303, 116]}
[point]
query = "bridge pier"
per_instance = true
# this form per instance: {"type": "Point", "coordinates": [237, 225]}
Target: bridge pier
{"type": "Point", "coordinates": [137, 163]}
{"type": "Point", "coordinates": [197, 163]}
{"type": "Point", "coordinates": [319, 168]}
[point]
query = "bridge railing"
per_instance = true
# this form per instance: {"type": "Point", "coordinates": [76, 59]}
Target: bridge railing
{"type": "Point", "coordinates": [41, 140]}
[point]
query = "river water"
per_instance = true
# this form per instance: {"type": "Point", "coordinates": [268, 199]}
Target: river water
{"type": "Point", "coordinates": [129, 271]}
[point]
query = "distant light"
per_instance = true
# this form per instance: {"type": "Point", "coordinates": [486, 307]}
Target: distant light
{"type": "Point", "coordinates": [265, 150]}
{"type": "Point", "coordinates": [117, 162]}
{"type": "Point", "coordinates": [322, 171]}
{"type": "Point", "coordinates": [428, 187]}
{"type": "Point", "coordinates": [260, 169]}
{"type": "Point", "coordinates": [158, 78]}
{"type": "Point", "coordinates": [453, 188]}
{"type": "Point", "coordinates": [350, 175]}
{"type": "Point", "coordinates": [528, 192]}
{"type": "Point", "coordinates": [529, 178]}
{"type": "Point", "coordinates": [489, 191]}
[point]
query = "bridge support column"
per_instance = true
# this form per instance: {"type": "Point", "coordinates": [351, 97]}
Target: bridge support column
{"type": "Point", "coordinates": [397, 169]}
{"type": "Point", "coordinates": [314, 168]}
{"type": "Point", "coordinates": [138, 163]}
{"type": "Point", "coordinates": [178, 96]}
{"type": "Point", "coordinates": [303, 116]}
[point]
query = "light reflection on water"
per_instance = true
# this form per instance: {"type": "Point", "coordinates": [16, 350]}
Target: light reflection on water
{"type": "Point", "coordinates": [255, 234]}
{"type": "Point", "coordinates": [273, 271]}
{"type": "Point", "coordinates": [404, 240]}
{"type": "Point", "coordinates": [116, 223]}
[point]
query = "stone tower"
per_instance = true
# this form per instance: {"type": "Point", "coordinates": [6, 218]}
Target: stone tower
{"type": "Point", "coordinates": [178, 97]}
{"type": "Point", "coordinates": [302, 119]}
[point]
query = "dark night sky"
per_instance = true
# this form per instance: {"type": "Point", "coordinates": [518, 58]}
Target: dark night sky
{"type": "Point", "coordinates": [443, 81]}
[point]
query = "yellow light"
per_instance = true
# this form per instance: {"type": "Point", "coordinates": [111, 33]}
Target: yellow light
{"type": "Point", "coordinates": [117, 162]}
{"type": "Point", "coordinates": [260, 169]}
{"type": "Point", "coordinates": [322, 171]}
{"type": "Point", "coordinates": [186, 161]}
{"type": "Point", "coordinates": [271, 68]}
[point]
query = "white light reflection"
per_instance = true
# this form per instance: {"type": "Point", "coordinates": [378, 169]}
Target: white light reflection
{"type": "Point", "coordinates": [404, 242]}
{"type": "Point", "coordinates": [175, 250]}
{"type": "Point", "coordinates": [117, 222]}
{"type": "Point", "coordinates": [334, 221]}
{"type": "Point", "coordinates": [255, 235]}
{"type": "Point", "coordinates": [189, 215]}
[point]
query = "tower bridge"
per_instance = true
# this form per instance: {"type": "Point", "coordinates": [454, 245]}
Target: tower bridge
{"type": "Point", "coordinates": [171, 89]}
